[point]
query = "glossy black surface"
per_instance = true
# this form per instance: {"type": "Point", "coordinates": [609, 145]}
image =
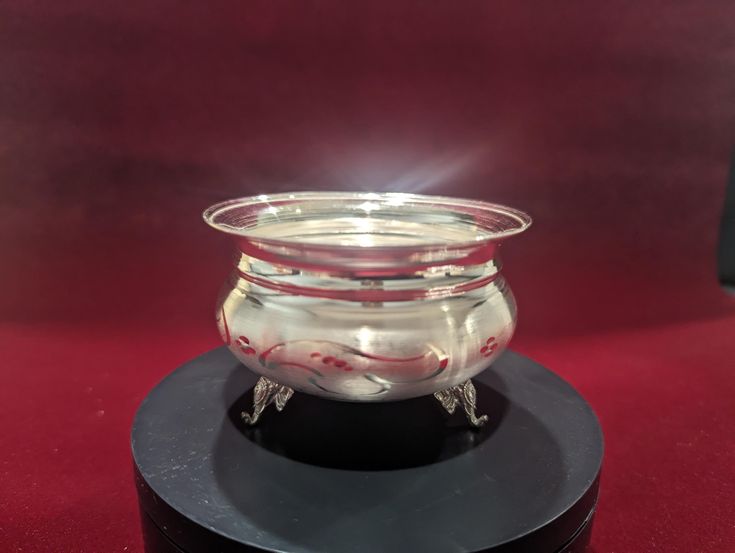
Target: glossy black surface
{"type": "Point", "coordinates": [327, 477]}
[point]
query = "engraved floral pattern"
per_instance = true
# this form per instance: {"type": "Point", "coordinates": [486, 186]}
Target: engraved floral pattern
{"type": "Point", "coordinates": [317, 357]}
{"type": "Point", "coordinates": [489, 348]}
{"type": "Point", "coordinates": [244, 344]}
{"type": "Point", "coordinates": [331, 360]}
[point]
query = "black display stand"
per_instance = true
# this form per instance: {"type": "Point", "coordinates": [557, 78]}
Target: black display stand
{"type": "Point", "coordinates": [331, 477]}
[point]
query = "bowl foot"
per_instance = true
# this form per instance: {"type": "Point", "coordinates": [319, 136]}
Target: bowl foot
{"type": "Point", "coordinates": [266, 392]}
{"type": "Point", "coordinates": [465, 395]}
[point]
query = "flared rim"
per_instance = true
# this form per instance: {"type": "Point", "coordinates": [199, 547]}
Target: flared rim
{"type": "Point", "coordinates": [241, 216]}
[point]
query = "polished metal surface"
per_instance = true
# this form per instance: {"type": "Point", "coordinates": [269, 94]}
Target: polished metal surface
{"type": "Point", "coordinates": [366, 297]}
{"type": "Point", "coordinates": [464, 395]}
{"type": "Point", "coordinates": [267, 392]}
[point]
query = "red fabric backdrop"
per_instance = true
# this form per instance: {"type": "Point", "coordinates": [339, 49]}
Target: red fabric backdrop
{"type": "Point", "coordinates": [610, 123]}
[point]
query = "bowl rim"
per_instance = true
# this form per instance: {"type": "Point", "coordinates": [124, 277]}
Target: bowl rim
{"type": "Point", "coordinates": [520, 219]}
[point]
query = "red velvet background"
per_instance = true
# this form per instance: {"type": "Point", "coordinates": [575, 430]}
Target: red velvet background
{"type": "Point", "coordinates": [611, 123]}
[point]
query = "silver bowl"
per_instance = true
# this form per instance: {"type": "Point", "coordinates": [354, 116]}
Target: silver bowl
{"type": "Point", "coordinates": [366, 297]}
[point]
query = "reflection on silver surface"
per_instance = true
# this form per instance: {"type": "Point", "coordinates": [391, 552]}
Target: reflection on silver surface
{"type": "Point", "coordinates": [361, 297]}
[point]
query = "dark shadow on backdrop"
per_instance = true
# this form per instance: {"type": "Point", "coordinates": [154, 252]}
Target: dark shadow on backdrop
{"type": "Point", "coordinates": [726, 258]}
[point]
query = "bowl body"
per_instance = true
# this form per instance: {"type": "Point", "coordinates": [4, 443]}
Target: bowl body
{"type": "Point", "coordinates": [366, 297]}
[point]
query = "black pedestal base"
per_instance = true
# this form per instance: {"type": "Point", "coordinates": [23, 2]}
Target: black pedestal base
{"type": "Point", "coordinates": [330, 477]}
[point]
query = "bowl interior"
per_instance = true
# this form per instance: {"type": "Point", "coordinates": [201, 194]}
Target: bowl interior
{"type": "Point", "coordinates": [366, 220]}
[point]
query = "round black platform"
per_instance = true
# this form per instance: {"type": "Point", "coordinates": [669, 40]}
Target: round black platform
{"type": "Point", "coordinates": [331, 477]}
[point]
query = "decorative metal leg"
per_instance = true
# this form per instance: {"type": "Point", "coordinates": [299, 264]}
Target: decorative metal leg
{"type": "Point", "coordinates": [267, 392]}
{"type": "Point", "coordinates": [464, 395]}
